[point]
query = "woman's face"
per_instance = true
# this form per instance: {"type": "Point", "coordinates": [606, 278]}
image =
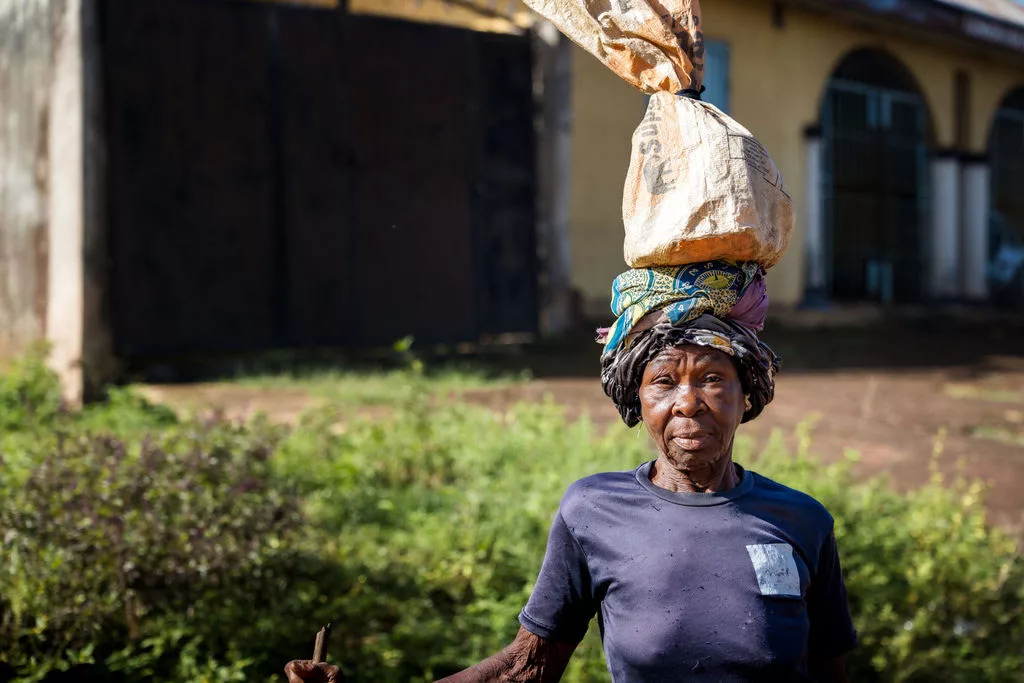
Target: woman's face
{"type": "Point", "coordinates": [692, 401]}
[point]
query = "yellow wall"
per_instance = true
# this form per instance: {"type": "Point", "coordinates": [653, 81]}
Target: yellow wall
{"type": "Point", "coordinates": [990, 89]}
{"type": "Point", "coordinates": [480, 15]}
{"type": "Point", "coordinates": [777, 77]}
{"type": "Point", "coordinates": [508, 17]}
{"type": "Point", "coordinates": [605, 111]}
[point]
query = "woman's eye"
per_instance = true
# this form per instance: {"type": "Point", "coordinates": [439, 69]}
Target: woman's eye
{"type": "Point", "coordinates": [663, 381]}
{"type": "Point", "coordinates": [712, 378]}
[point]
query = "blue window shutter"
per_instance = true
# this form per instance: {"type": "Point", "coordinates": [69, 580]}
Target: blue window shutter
{"type": "Point", "coordinates": [716, 74]}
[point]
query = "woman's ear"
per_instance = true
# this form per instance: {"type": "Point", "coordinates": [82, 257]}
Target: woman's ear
{"type": "Point", "coordinates": [746, 402]}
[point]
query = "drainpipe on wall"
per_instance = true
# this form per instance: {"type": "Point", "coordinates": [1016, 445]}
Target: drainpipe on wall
{"type": "Point", "coordinates": [553, 89]}
{"type": "Point", "coordinates": [814, 222]}
{"type": "Point", "coordinates": [976, 179]}
{"type": "Point", "coordinates": [943, 257]}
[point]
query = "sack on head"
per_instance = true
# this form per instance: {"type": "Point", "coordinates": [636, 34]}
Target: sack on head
{"type": "Point", "coordinates": [654, 46]}
{"type": "Point", "coordinates": [699, 186]}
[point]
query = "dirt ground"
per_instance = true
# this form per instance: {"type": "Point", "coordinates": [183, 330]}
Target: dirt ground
{"type": "Point", "coordinates": [889, 390]}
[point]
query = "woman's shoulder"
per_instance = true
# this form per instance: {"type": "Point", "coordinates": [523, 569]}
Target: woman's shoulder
{"type": "Point", "coordinates": [809, 507]}
{"type": "Point", "coordinates": [599, 489]}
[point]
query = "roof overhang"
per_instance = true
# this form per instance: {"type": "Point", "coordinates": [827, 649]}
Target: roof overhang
{"type": "Point", "coordinates": [932, 19]}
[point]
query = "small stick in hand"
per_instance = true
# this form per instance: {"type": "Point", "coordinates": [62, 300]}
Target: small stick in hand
{"type": "Point", "coordinates": [320, 649]}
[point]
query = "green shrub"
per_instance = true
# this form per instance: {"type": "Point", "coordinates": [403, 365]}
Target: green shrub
{"type": "Point", "coordinates": [124, 412]}
{"type": "Point", "coordinates": [436, 521]}
{"type": "Point", "coordinates": [30, 394]}
{"type": "Point", "coordinates": [30, 401]}
{"type": "Point", "coordinates": [149, 557]}
{"type": "Point", "coordinates": [212, 552]}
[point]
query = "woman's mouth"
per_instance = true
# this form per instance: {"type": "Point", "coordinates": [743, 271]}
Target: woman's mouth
{"type": "Point", "coordinates": [693, 441]}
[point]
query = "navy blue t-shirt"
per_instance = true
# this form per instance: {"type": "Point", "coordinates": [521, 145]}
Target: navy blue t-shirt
{"type": "Point", "coordinates": [742, 585]}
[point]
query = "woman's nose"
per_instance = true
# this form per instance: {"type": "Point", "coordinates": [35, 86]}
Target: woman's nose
{"type": "Point", "coordinates": [688, 401]}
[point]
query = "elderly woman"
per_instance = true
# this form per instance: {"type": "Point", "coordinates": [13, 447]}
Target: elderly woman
{"type": "Point", "coordinates": [697, 569]}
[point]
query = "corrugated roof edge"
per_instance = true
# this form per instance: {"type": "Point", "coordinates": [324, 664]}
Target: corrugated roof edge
{"type": "Point", "coordinates": [1005, 10]}
{"type": "Point", "coordinates": [964, 18]}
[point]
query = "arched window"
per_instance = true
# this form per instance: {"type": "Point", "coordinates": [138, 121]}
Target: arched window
{"type": "Point", "coordinates": [875, 128]}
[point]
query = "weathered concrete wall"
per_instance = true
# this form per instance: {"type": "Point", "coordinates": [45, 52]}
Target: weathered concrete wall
{"type": "Point", "coordinates": [52, 242]}
{"type": "Point", "coordinates": [26, 71]}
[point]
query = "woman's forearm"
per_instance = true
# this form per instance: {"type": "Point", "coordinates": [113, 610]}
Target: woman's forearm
{"type": "Point", "coordinates": [494, 668]}
{"type": "Point", "coordinates": [529, 659]}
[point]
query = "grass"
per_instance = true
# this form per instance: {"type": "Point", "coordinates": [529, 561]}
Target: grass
{"type": "Point", "coordinates": [380, 388]}
{"type": "Point", "coordinates": [1000, 434]}
{"type": "Point", "coordinates": [976, 393]}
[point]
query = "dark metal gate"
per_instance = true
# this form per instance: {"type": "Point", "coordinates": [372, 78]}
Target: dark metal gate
{"type": "Point", "coordinates": [1008, 169]}
{"type": "Point", "coordinates": [1007, 156]}
{"type": "Point", "coordinates": [875, 184]}
{"type": "Point", "coordinates": [283, 176]}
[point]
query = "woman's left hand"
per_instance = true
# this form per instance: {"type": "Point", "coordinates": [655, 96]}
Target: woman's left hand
{"type": "Point", "coordinates": [301, 670]}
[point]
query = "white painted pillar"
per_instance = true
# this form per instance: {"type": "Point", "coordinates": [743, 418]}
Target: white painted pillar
{"type": "Point", "coordinates": [976, 204]}
{"type": "Point", "coordinates": [553, 84]}
{"type": "Point", "coordinates": [65, 277]}
{"type": "Point", "coordinates": [81, 348]}
{"type": "Point", "coordinates": [815, 252]}
{"type": "Point", "coordinates": [944, 256]}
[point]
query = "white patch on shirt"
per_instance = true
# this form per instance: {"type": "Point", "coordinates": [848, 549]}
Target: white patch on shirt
{"type": "Point", "coordinates": [775, 568]}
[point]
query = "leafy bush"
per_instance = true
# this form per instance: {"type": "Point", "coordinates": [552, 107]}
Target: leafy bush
{"type": "Point", "coordinates": [146, 557]}
{"type": "Point", "coordinates": [29, 392]}
{"type": "Point", "coordinates": [438, 520]}
{"type": "Point", "coordinates": [125, 412]}
{"type": "Point", "coordinates": [212, 552]}
{"type": "Point", "coordinates": [30, 401]}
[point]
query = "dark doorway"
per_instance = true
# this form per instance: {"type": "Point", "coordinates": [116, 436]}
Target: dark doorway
{"type": "Point", "coordinates": [289, 177]}
{"type": "Point", "coordinates": [875, 129]}
{"type": "Point", "coordinates": [1006, 148]}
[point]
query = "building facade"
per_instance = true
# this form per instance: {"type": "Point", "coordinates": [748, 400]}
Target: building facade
{"type": "Point", "coordinates": [222, 176]}
{"type": "Point", "coordinates": [897, 127]}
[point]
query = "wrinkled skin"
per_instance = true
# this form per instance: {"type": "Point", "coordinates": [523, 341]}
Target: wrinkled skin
{"type": "Point", "coordinates": [691, 402]}
{"type": "Point", "coordinates": [528, 659]}
{"type": "Point", "coordinates": [305, 670]}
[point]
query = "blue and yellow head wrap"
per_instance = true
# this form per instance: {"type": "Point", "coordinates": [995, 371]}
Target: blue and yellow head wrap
{"type": "Point", "coordinates": [684, 293]}
{"type": "Point", "coordinates": [721, 304]}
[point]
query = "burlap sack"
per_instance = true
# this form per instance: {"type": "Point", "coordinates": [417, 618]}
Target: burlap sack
{"type": "Point", "coordinates": [699, 185]}
{"type": "Point", "coordinates": [653, 46]}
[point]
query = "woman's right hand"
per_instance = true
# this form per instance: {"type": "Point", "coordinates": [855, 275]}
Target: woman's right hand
{"type": "Point", "coordinates": [301, 670]}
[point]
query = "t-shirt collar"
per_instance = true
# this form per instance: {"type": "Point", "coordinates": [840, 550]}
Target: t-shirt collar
{"type": "Point", "coordinates": [643, 477]}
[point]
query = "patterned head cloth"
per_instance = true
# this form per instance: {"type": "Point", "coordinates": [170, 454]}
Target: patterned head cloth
{"type": "Point", "coordinates": [719, 304]}
{"type": "Point", "coordinates": [683, 293]}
